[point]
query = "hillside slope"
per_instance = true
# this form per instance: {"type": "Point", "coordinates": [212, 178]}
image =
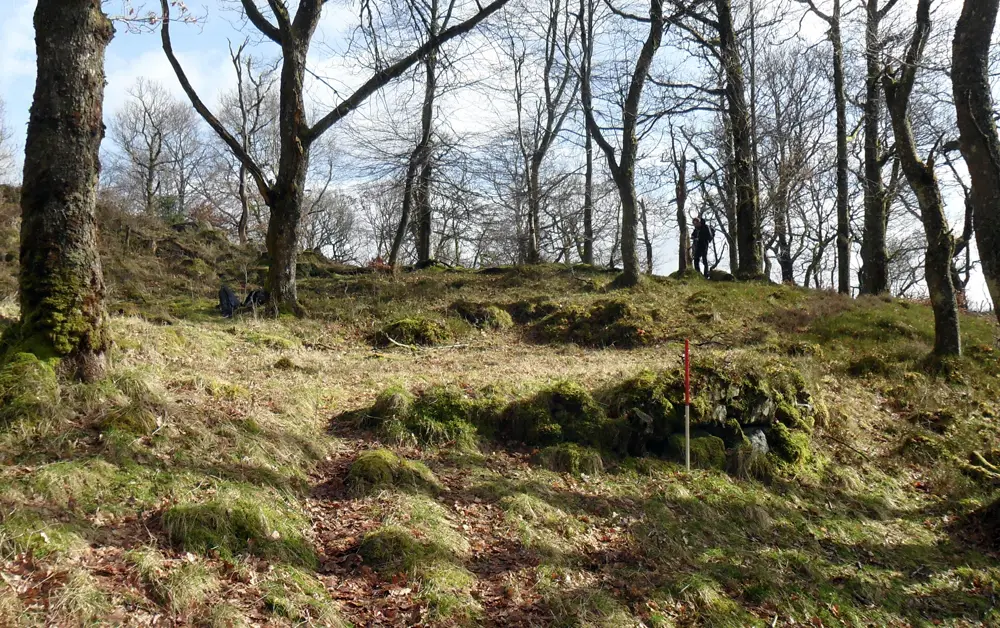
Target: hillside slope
{"type": "Point", "coordinates": [452, 447]}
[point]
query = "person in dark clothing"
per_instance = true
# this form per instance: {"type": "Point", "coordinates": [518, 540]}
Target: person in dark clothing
{"type": "Point", "coordinates": [700, 240]}
{"type": "Point", "coordinates": [255, 299]}
{"type": "Point", "coordinates": [228, 302]}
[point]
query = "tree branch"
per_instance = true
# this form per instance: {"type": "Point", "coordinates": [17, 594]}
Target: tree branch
{"type": "Point", "coordinates": [252, 167]}
{"type": "Point", "coordinates": [397, 69]}
{"type": "Point", "coordinates": [260, 22]}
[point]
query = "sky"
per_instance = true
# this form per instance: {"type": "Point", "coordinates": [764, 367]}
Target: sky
{"type": "Point", "coordinates": [203, 50]}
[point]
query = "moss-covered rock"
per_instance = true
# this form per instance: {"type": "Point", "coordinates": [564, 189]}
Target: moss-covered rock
{"type": "Point", "coordinates": [562, 412]}
{"type": "Point", "coordinates": [238, 525]}
{"type": "Point", "coordinates": [721, 275]}
{"type": "Point", "coordinates": [922, 448]}
{"type": "Point", "coordinates": [422, 332]}
{"type": "Point", "coordinates": [872, 364]}
{"type": "Point", "coordinates": [606, 323]}
{"type": "Point", "coordinates": [394, 549]}
{"type": "Point", "coordinates": [646, 404]}
{"type": "Point", "coordinates": [483, 315]}
{"type": "Point", "coordinates": [531, 310]}
{"type": "Point", "coordinates": [707, 452]}
{"type": "Point", "coordinates": [789, 445]}
{"type": "Point", "coordinates": [436, 416]}
{"type": "Point", "coordinates": [381, 469]}
{"type": "Point", "coordinates": [570, 458]}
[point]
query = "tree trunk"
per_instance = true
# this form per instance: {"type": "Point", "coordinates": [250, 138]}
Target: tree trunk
{"type": "Point", "coordinates": [288, 192]}
{"type": "Point", "coordinates": [422, 202]}
{"type": "Point", "coordinates": [684, 250]}
{"type": "Point", "coordinates": [646, 240]}
{"type": "Point", "coordinates": [588, 201]}
{"type": "Point", "coordinates": [874, 261]}
{"type": "Point", "coordinates": [62, 286]}
{"type": "Point", "coordinates": [244, 223]}
{"type": "Point", "coordinates": [843, 212]}
{"type": "Point", "coordinates": [404, 215]}
{"type": "Point", "coordinates": [748, 235]}
{"type": "Point", "coordinates": [940, 243]}
{"type": "Point", "coordinates": [532, 253]}
{"type": "Point", "coordinates": [979, 140]}
{"type": "Point", "coordinates": [784, 242]}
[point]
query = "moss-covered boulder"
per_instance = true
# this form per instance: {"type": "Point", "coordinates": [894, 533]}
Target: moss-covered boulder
{"type": "Point", "coordinates": [230, 526]}
{"type": "Point", "coordinates": [381, 469]}
{"type": "Point", "coordinates": [615, 323]}
{"type": "Point", "coordinates": [422, 332]}
{"type": "Point", "coordinates": [483, 315]}
{"type": "Point", "coordinates": [570, 458]}
{"type": "Point", "coordinates": [651, 407]}
{"type": "Point", "coordinates": [789, 445]}
{"type": "Point", "coordinates": [531, 310]}
{"type": "Point", "coordinates": [562, 412]}
{"type": "Point", "coordinates": [437, 416]}
{"type": "Point", "coordinates": [707, 452]}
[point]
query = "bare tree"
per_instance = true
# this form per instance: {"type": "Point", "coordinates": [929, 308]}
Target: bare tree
{"type": "Point", "coordinates": [623, 168]}
{"type": "Point", "coordinates": [139, 132]}
{"type": "Point", "coordinates": [898, 88]}
{"type": "Point", "coordinates": [61, 282]}
{"type": "Point", "coordinates": [285, 194]}
{"type": "Point", "coordinates": [834, 20]}
{"type": "Point", "coordinates": [874, 261]}
{"type": "Point", "coordinates": [978, 131]}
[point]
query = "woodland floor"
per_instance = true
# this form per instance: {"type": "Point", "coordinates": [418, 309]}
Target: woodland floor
{"type": "Point", "coordinates": [247, 443]}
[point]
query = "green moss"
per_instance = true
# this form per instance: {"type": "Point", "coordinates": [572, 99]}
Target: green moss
{"type": "Point", "coordinates": [483, 315]}
{"type": "Point", "coordinates": [531, 310]}
{"type": "Point", "coordinates": [29, 389]}
{"type": "Point", "coordinates": [791, 446]}
{"type": "Point", "coordinates": [24, 530]}
{"type": "Point", "coordinates": [607, 323]}
{"type": "Point", "coordinates": [707, 452]}
{"type": "Point", "coordinates": [872, 364]}
{"type": "Point", "coordinates": [234, 525]}
{"type": "Point", "coordinates": [394, 549]}
{"type": "Point", "coordinates": [412, 331]}
{"type": "Point", "coordinates": [561, 412]}
{"type": "Point", "coordinates": [645, 403]}
{"type": "Point", "coordinates": [441, 415]}
{"type": "Point", "coordinates": [571, 458]}
{"type": "Point", "coordinates": [381, 469]}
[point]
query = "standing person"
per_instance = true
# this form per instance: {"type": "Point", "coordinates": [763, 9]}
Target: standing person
{"type": "Point", "coordinates": [700, 240]}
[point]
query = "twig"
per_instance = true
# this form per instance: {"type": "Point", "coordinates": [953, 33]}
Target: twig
{"type": "Point", "coordinates": [851, 447]}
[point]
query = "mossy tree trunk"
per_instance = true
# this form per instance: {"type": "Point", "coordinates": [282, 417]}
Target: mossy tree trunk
{"type": "Point", "coordinates": [921, 177]}
{"type": "Point", "coordinates": [978, 132]}
{"type": "Point", "coordinates": [62, 286]}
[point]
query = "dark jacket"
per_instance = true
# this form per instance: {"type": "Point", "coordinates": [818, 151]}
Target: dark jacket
{"type": "Point", "coordinates": [701, 238]}
{"type": "Point", "coordinates": [228, 301]}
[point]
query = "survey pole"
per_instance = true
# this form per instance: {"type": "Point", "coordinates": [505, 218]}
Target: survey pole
{"type": "Point", "coordinates": [687, 404]}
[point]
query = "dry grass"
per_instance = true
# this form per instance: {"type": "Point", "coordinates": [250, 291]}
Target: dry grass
{"type": "Point", "coordinates": [225, 421]}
